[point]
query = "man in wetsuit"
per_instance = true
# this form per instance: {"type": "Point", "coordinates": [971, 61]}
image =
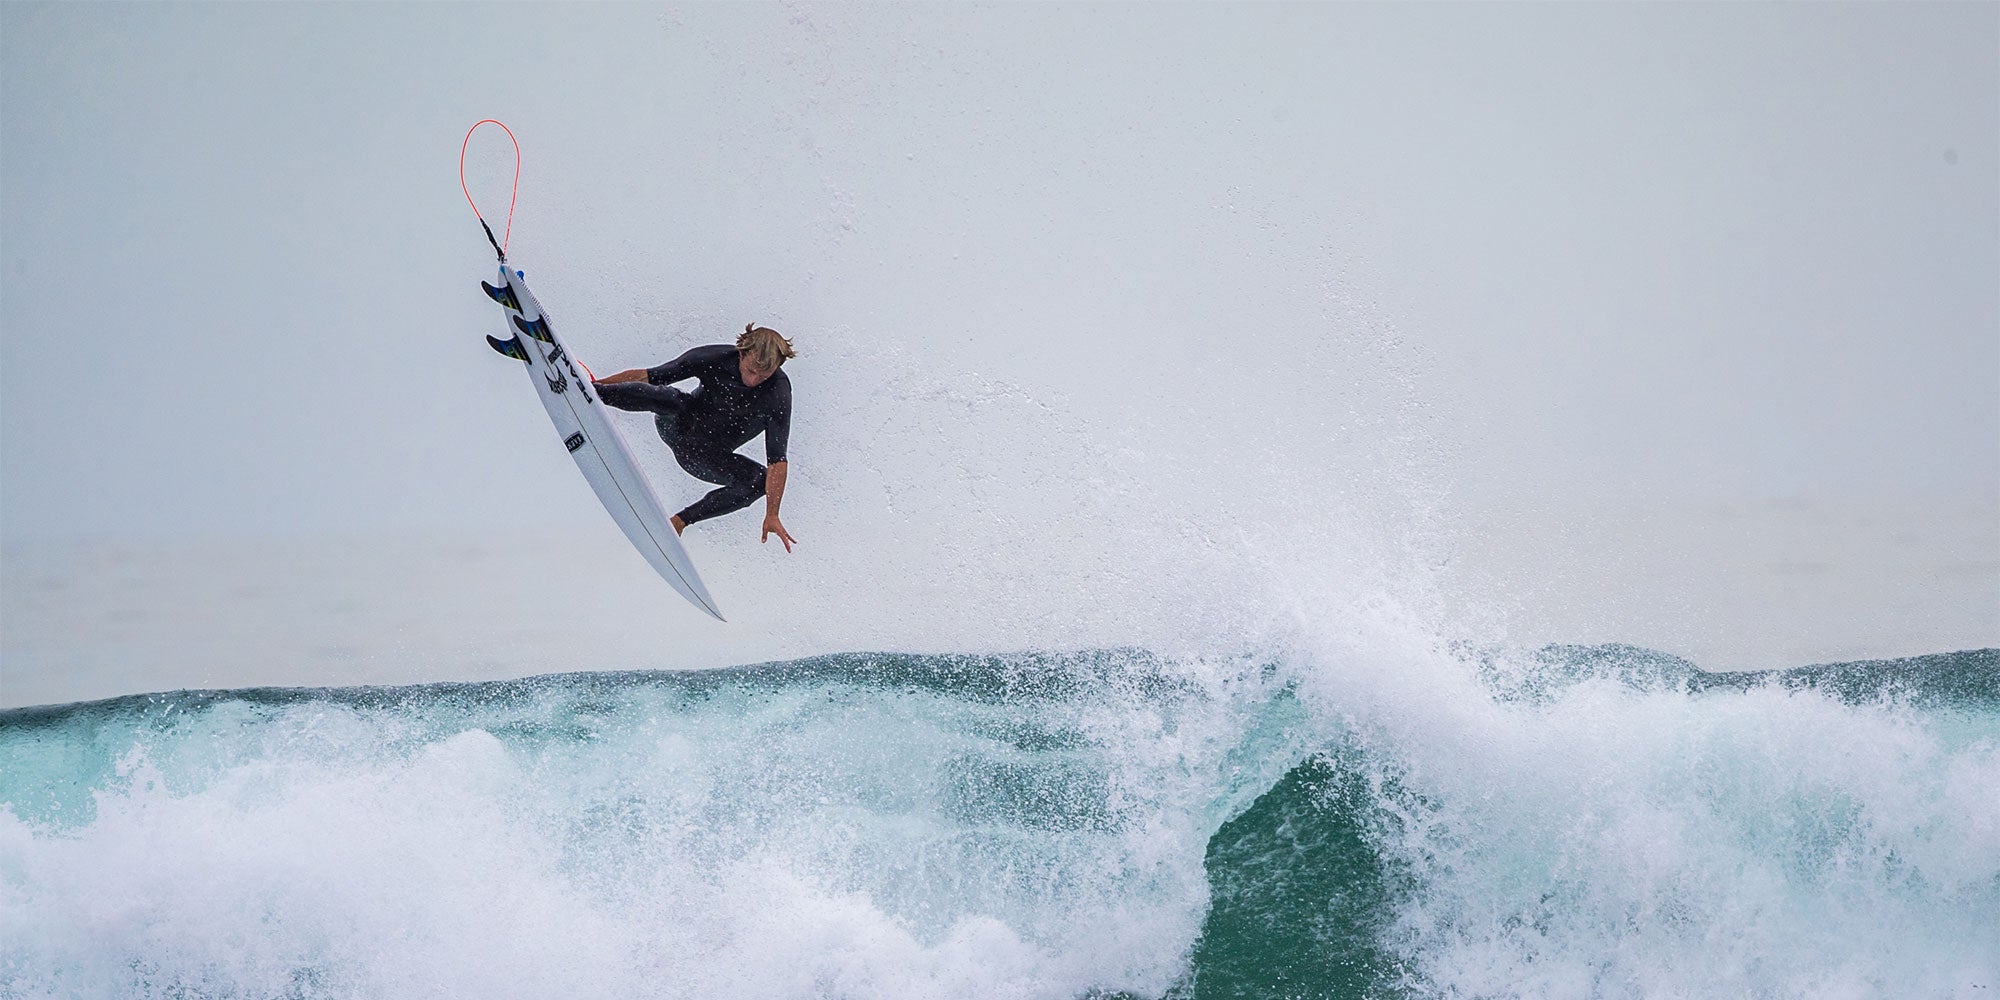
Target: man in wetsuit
{"type": "Point", "coordinates": [741, 394]}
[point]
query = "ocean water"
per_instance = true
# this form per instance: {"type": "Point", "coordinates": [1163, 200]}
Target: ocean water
{"type": "Point", "coordinates": [1341, 819]}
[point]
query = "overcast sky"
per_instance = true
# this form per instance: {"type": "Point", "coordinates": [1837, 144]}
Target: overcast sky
{"type": "Point", "coordinates": [1580, 251]}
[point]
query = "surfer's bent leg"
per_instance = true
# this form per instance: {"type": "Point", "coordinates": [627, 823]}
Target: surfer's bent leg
{"type": "Point", "coordinates": [741, 477]}
{"type": "Point", "coordinates": [666, 403]}
{"type": "Point", "coordinates": [642, 397]}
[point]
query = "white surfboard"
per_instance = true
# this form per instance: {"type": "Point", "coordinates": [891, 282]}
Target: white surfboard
{"type": "Point", "coordinates": [585, 429]}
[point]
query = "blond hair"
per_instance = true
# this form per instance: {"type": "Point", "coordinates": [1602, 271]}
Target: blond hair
{"type": "Point", "coordinates": [765, 346]}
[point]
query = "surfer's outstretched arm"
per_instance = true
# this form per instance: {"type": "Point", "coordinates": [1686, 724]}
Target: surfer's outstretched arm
{"type": "Point", "coordinates": [684, 367]}
{"type": "Point", "coordinates": [777, 434]}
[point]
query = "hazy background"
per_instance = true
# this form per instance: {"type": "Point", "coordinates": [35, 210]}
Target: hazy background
{"type": "Point", "coordinates": [1674, 325]}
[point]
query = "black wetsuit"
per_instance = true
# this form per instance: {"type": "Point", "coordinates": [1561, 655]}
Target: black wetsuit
{"type": "Point", "coordinates": [705, 427]}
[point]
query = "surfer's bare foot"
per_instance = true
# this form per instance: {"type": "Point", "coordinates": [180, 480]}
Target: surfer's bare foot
{"type": "Point", "coordinates": [679, 525]}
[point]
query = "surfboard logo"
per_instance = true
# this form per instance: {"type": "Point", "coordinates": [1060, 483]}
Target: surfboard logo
{"type": "Point", "coordinates": [553, 357]}
{"type": "Point", "coordinates": [574, 441]}
{"type": "Point", "coordinates": [557, 380]}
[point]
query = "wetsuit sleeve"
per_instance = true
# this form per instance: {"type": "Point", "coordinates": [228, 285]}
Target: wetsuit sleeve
{"type": "Point", "coordinates": [684, 367]}
{"type": "Point", "coordinates": [778, 426]}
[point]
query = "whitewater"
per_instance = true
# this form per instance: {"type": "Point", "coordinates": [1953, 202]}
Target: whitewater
{"type": "Point", "coordinates": [1573, 822]}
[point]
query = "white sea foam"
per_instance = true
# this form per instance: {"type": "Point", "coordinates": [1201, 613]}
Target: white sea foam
{"type": "Point", "coordinates": [807, 840]}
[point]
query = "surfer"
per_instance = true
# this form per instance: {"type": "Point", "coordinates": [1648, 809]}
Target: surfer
{"type": "Point", "coordinates": [741, 394]}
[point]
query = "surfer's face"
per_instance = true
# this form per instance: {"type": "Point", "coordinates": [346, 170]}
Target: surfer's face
{"type": "Point", "coordinates": [752, 375]}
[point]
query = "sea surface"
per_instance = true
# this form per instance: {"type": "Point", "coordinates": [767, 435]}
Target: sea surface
{"type": "Point", "coordinates": [1559, 821]}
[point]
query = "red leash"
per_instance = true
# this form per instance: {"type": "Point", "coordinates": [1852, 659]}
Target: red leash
{"type": "Point", "coordinates": [500, 245]}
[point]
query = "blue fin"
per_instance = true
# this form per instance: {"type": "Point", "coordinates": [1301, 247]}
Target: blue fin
{"type": "Point", "coordinates": [538, 329]}
{"type": "Point", "coordinates": [503, 295]}
{"type": "Point", "coordinates": [511, 347]}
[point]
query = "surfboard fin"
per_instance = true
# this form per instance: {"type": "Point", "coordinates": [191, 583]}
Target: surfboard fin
{"type": "Point", "coordinates": [538, 329]}
{"type": "Point", "coordinates": [503, 295]}
{"type": "Point", "coordinates": [511, 347]}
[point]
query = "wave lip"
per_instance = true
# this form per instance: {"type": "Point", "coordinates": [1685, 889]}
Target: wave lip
{"type": "Point", "coordinates": [1968, 678]}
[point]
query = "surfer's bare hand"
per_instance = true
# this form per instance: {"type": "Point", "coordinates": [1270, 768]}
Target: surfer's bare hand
{"type": "Point", "coordinates": [773, 526]}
